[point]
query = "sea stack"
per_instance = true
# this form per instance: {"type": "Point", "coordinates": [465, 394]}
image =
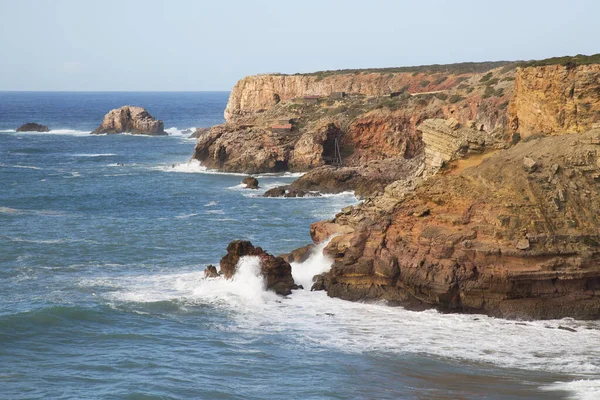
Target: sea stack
{"type": "Point", "coordinates": [33, 127]}
{"type": "Point", "coordinates": [130, 119]}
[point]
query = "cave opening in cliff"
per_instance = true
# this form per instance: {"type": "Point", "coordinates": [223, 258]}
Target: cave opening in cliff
{"type": "Point", "coordinates": [331, 146]}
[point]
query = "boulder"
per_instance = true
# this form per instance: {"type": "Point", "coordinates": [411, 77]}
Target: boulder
{"type": "Point", "coordinates": [299, 255]}
{"type": "Point", "coordinates": [276, 192]}
{"type": "Point", "coordinates": [130, 119]}
{"type": "Point", "coordinates": [276, 271]}
{"type": "Point", "coordinates": [33, 127]}
{"type": "Point", "coordinates": [250, 182]}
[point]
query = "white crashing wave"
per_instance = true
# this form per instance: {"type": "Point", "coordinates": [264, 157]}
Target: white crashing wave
{"type": "Point", "coordinates": [583, 389]}
{"type": "Point", "coordinates": [193, 166]}
{"type": "Point", "coordinates": [72, 132]}
{"type": "Point", "coordinates": [173, 131]}
{"type": "Point", "coordinates": [313, 320]}
{"type": "Point", "coordinates": [93, 155]}
{"type": "Point", "coordinates": [2, 165]}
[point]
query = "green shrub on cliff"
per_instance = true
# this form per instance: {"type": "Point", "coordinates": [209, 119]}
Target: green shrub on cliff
{"type": "Point", "coordinates": [424, 83]}
{"type": "Point", "coordinates": [455, 98]}
{"type": "Point", "coordinates": [486, 77]}
{"type": "Point", "coordinates": [566, 61]}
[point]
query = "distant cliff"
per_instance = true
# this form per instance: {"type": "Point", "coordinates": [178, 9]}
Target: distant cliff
{"type": "Point", "coordinates": [260, 92]}
{"type": "Point", "coordinates": [377, 119]}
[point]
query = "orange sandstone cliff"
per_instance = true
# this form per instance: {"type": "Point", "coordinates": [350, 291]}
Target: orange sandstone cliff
{"type": "Point", "coordinates": [555, 99]}
{"type": "Point", "coordinates": [481, 187]}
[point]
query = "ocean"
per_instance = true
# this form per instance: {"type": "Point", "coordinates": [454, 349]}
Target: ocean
{"type": "Point", "coordinates": [103, 244]}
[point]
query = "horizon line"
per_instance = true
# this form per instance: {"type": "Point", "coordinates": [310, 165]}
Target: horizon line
{"type": "Point", "coordinates": [114, 91]}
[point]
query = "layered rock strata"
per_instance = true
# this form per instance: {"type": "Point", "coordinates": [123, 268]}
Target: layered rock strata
{"type": "Point", "coordinates": [130, 119]}
{"type": "Point", "coordinates": [499, 238]}
{"type": "Point", "coordinates": [555, 99]}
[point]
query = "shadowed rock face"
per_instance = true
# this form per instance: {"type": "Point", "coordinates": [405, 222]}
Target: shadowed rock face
{"type": "Point", "coordinates": [130, 119]}
{"type": "Point", "coordinates": [276, 271]}
{"type": "Point", "coordinates": [497, 238]}
{"type": "Point", "coordinates": [33, 127]}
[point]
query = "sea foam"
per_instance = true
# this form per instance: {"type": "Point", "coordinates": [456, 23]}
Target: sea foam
{"type": "Point", "coordinates": [314, 320]}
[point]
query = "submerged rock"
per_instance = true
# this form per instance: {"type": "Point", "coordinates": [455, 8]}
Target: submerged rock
{"type": "Point", "coordinates": [130, 119]}
{"type": "Point", "coordinates": [33, 127]}
{"type": "Point", "coordinates": [276, 271]}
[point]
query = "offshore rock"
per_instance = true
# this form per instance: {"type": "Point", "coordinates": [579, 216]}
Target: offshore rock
{"type": "Point", "coordinates": [276, 271]}
{"type": "Point", "coordinates": [130, 119]}
{"type": "Point", "coordinates": [211, 272]}
{"type": "Point", "coordinates": [250, 182]}
{"type": "Point", "coordinates": [495, 238]}
{"type": "Point", "coordinates": [33, 127]}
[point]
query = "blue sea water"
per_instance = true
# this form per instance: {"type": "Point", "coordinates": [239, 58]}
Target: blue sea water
{"type": "Point", "coordinates": [103, 243]}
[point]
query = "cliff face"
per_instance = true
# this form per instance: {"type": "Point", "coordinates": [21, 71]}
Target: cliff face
{"type": "Point", "coordinates": [260, 92]}
{"type": "Point", "coordinates": [555, 99]}
{"type": "Point", "coordinates": [368, 123]}
{"type": "Point", "coordinates": [514, 235]}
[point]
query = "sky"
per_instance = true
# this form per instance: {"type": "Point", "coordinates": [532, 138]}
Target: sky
{"type": "Point", "coordinates": [194, 45]}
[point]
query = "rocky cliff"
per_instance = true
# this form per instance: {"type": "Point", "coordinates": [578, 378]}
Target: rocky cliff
{"type": "Point", "coordinates": [373, 123]}
{"type": "Point", "coordinates": [512, 235]}
{"type": "Point", "coordinates": [260, 92]}
{"type": "Point", "coordinates": [130, 119]}
{"type": "Point", "coordinates": [555, 99]}
{"type": "Point", "coordinates": [473, 202]}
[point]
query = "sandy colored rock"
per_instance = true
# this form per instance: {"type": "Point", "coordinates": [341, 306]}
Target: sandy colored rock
{"type": "Point", "coordinates": [130, 119]}
{"type": "Point", "coordinates": [497, 240]}
{"type": "Point", "coordinates": [555, 99]}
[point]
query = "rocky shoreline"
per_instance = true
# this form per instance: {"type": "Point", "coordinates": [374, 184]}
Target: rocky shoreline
{"type": "Point", "coordinates": [474, 199]}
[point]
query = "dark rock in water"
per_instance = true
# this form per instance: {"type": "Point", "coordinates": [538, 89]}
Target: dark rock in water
{"type": "Point", "coordinates": [130, 119]}
{"type": "Point", "coordinates": [299, 255]}
{"type": "Point", "coordinates": [276, 271]}
{"type": "Point", "coordinates": [289, 191]}
{"type": "Point", "coordinates": [319, 283]}
{"type": "Point", "coordinates": [566, 328]}
{"type": "Point", "coordinates": [250, 182]}
{"type": "Point", "coordinates": [211, 272]}
{"type": "Point", "coordinates": [276, 192]}
{"type": "Point", "coordinates": [33, 127]}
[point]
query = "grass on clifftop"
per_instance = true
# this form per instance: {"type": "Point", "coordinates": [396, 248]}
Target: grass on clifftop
{"type": "Point", "coordinates": [459, 68]}
{"type": "Point", "coordinates": [566, 61]}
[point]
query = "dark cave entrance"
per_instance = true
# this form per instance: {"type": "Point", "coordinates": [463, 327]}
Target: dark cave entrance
{"type": "Point", "coordinates": [331, 154]}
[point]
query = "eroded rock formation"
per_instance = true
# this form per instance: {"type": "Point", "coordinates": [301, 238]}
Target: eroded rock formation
{"type": "Point", "coordinates": [130, 119]}
{"type": "Point", "coordinates": [496, 238]}
{"type": "Point", "coordinates": [276, 271]}
{"type": "Point", "coordinates": [555, 99]}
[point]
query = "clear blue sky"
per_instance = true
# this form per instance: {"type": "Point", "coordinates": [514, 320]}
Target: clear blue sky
{"type": "Point", "coordinates": [209, 45]}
